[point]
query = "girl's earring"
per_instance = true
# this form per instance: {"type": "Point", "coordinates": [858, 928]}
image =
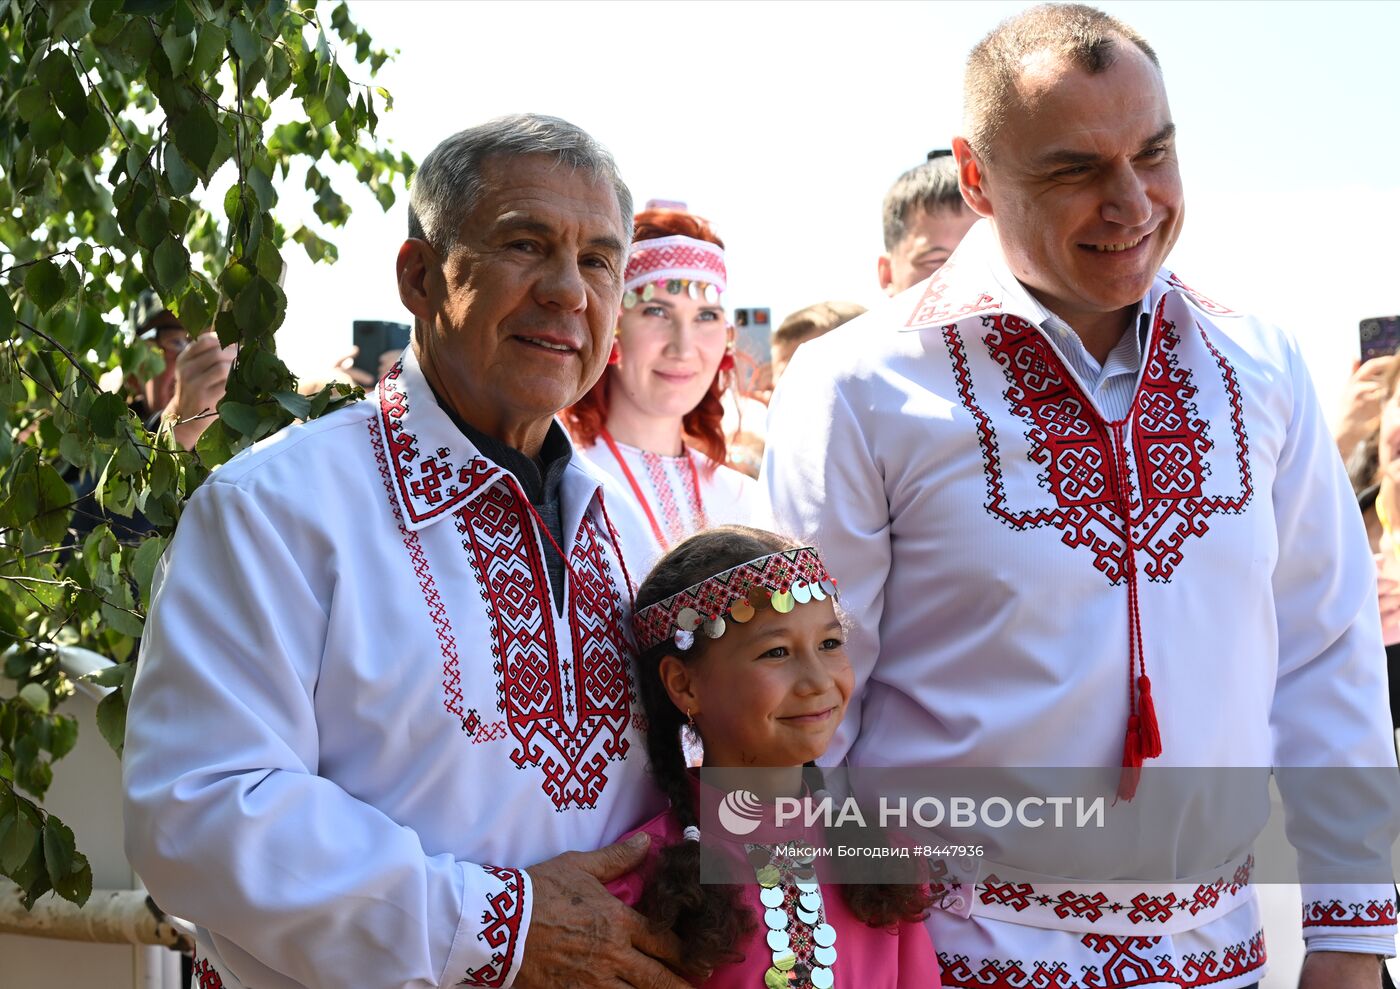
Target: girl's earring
{"type": "Point", "coordinates": [615, 357]}
{"type": "Point", "coordinates": [690, 724]}
{"type": "Point", "coordinates": [726, 363]}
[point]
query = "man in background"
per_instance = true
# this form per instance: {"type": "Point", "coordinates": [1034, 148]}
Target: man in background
{"type": "Point", "coordinates": [925, 219]}
{"type": "Point", "coordinates": [190, 386]}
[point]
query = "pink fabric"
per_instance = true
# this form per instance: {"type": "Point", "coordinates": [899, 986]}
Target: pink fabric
{"type": "Point", "coordinates": [1388, 589]}
{"type": "Point", "coordinates": [865, 957]}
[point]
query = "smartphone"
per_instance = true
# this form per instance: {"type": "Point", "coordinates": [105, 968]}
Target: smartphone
{"type": "Point", "coordinates": [1380, 336]}
{"type": "Point", "coordinates": [373, 337]}
{"type": "Point", "coordinates": [753, 340]}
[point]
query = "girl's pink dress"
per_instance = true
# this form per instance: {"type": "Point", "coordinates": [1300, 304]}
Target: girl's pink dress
{"type": "Point", "coordinates": [866, 957]}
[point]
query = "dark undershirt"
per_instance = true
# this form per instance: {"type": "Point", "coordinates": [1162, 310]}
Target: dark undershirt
{"type": "Point", "coordinates": [539, 477]}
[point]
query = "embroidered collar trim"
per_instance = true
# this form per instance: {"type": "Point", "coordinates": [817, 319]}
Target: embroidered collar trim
{"type": "Point", "coordinates": [436, 469]}
{"type": "Point", "coordinates": [974, 281]}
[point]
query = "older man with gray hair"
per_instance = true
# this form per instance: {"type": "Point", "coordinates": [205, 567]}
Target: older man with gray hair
{"type": "Point", "coordinates": [384, 715]}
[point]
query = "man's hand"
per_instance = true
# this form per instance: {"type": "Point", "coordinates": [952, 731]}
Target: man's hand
{"type": "Point", "coordinates": [581, 935]}
{"type": "Point", "coordinates": [1340, 970]}
{"type": "Point", "coordinates": [1361, 405]}
{"type": "Point", "coordinates": [201, 375]}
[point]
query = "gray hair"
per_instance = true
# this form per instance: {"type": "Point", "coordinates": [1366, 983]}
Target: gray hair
{"type": "Point", "coordinates": [1082, 35]}
{"type": "Point", "coordinates": [447, 186]}
{"type": "Point", "coordinates": [932, 186]}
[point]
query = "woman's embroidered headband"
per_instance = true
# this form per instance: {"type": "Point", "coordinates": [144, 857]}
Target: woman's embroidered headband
{"type": "Point", "coordinates": [680, 264]}
{"type": "Point", "coordinates": [780, 580]}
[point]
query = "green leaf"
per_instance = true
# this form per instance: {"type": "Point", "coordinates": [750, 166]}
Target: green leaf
{"type": "Point", "coordinates": [19, 843]}
{"type": "Point", "coordinates": [177, 174]}
{"type": "Point", "coordinates": [46, 129]}
{"type": "Point", "coordinates": [45, 284]}
{"type": "Point", "coordinates": [179, 48]}
{"type": "Point", "coordinates": [337, 92]}
{"type": "Point", "coordinates": [208, 51]}
{"type": "Point", "coordinates": [143, 565]}
{"type": "Point", "coordinates": [110, 676]}
{"type": "Point", "coordinates": [245, 45]}
{"type": "Point", "coordinates": [297, 404]}
{"type": "Point", "coordinates": [58, 77]}
{"type": "Point", "coordinates": [172, 266]}
{"type": "Point", "coordinates": [7, 772]}
{"type": "Point", "coordinates": [262, 188]}
{"type": "Point", "coordinates": [58, 849]}
{"type": "Point", "coordinates": [30, 102]}
{"type": "Point", "coordinates": [55, 499]}
{"type": "Point", "coordinates": [7, 326]}
{"type": "Point", "coordinates": [255, 307]}
{"type": "Point", "coordinates": [279, 73]}
{"type": "Point", "coordinates": [36, 697]}
{"type": "Point", "coordinates": [243, 418]}
{"type": "Point", "coordinates": [111, 720]}
{"type": "Point", "coordinates": [90, 133]}
{"type": "Point", "coordinates": [146, 8]}
{"type": "Point", "coordinates": [64, 736]}
{"type": "Point", "coordinates": [76, 887]}
{"type": "Point", "coordinates": [197, 136]}
{"type": "Point", "coordinates": [106, 410]}
{"type": "Point", "coordinates": [151, 225]}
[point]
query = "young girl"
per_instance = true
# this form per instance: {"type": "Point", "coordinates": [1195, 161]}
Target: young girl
{"type": "Point", "coordinates": [740, 642]}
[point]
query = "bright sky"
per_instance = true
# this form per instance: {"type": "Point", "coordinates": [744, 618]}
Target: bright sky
{"type": "Point", "coordinates": [784, 123]}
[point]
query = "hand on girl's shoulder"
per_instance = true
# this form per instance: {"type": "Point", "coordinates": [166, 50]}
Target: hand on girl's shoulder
{"type": "Point", "coordinates": [663, 831]}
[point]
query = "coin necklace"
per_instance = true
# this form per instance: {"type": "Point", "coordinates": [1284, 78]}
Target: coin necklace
{"type": "Point", "coordinates": [785, 891]}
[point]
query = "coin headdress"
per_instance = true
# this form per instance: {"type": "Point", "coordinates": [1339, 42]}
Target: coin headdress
{"type": "Point", "coordinates": [779, 580]}
{"type": "Point", "coordinates": [678, 264]}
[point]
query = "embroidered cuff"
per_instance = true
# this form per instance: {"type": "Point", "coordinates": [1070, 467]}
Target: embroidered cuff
{"type": "Point", "coordinates": [1349, 910]}
{"type": "Point", "coordinates": [490, 939]}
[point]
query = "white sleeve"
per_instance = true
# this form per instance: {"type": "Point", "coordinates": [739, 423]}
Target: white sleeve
{"type": "Point", "coordinates": [1330, 704]}
{"type": "Point", "coordinates": [823, 487]}
{"type": "Point", "coordinates": [226, 818]}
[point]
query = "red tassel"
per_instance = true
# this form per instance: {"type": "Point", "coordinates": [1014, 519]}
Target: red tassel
{"type": "Point", "coordinates": [1148, 732]}
{"type": "Point", "coordinates": [1132, 761]}
{"type": "Point", "coordinates": [615, 356]}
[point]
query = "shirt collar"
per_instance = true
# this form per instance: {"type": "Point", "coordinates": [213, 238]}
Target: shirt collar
{"type": "Point", "coordinates": [437, 466]}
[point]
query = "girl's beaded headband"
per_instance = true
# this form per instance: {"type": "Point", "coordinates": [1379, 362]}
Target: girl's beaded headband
{"type": "Point", "coordinates": [680, 264]}
{"type": "Point", "coordinates": [780, 580]}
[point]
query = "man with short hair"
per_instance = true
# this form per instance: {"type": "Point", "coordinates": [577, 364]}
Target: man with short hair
{"type": "Point", "coordinates": [192, 383]}
{"type": "Point", "coordinates": [384, 717]}
{"type": "Point", "coordinates": [1087, 517]}
{"type": "Point", "coordinates": [925, 219]}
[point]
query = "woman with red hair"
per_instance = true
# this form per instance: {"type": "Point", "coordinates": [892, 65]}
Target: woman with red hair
{"type": "Point", "coordinates": [653, 419]}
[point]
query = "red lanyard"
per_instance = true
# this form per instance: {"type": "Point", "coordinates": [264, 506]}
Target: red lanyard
{"type": "Point", "coordinates": [642, 498]}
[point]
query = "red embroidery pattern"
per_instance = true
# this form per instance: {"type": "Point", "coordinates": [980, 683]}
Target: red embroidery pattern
{"type": "Point", "coordinates": [431, 485]}
{"type": "Point", "coordinates": [482, 731]}
{"type": "Point", "coordinates": [1333, 913]}
{"type": "Point", "coordinates": [934, 309]}
{"type": "Point", "coordinates": [1139, 907]}
{"type": "Point", "coordinates": [205, 976]}
{"type": "Point", "coordinates": [1078, 451]}
{"type": "Point", "coordinates": [1208, 305]}
{"type": "Point", "coordinates": [1129, 963]}
{"type": "Point", "coordinates": [676, 527]}
{"type": "Point", "coordinates": [451, 674]}
{"type": "Point", "coordinates": [569, 720]}
{"type": "Point", "coordinates": [672, 257]}
{"type": "Point", "coordinates": [500, 928]}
